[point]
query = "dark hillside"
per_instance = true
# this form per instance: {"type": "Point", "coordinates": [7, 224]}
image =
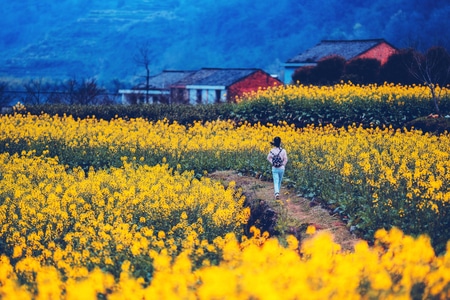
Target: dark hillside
{"type": "Point", "coordinates": [98, 38]}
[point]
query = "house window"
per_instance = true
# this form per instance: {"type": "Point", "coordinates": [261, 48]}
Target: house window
{"type": "Point", "coordinates": [177, 96]}
{"type": "Point", "coordinates": [199, 96]}
{"type": "Point", "coordinates": [218, 94]}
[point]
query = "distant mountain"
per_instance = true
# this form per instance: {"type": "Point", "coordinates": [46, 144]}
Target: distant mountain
{"type": "Point", "coordinates": [85, 38]}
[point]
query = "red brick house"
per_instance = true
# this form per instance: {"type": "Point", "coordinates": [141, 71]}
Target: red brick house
{"type": "Point", "coordinates": [250, 83]}
{"type": "Point", "coordinates": [217, 85]}
{"type": "Point", "coordinates": [348, 49]}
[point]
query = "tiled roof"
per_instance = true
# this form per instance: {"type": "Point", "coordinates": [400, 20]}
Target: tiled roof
{"type": "Point", "coordinates": [208, 77]}
{"type": "Point", "coordinates": [225, 77]}
{"type": "Point", "coordinates": [168, 77]}
{"type": "Point", "coordinates": [348, 49]}
{"type": "Point", "coordinates": [193, 77]}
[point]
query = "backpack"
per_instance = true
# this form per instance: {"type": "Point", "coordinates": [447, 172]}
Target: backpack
{"type": "Point", "coordinates": [277, 161]}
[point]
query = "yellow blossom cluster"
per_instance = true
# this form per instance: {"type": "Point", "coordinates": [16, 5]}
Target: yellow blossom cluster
{"type": "Point", "coordinates": [382, 176]}
{"type": "Point", "coordinates": [121, 135]}
{"type": "Point", "coordinates": [347, 92]}
{"type": "Point", "coordinates": [75, 220]}
{"type": "Point", "coordinates": [137, 228]}
{"type": "Point", "coordinates": [397, 176]}
{"type": "Point", "coordinates": [396, 267]}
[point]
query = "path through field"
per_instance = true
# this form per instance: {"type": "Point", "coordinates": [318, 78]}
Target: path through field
{"type": "Point", "coordinates": [300, 211]}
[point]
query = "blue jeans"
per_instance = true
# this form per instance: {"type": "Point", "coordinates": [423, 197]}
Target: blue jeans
{"type": "Point", "coordinates": [277, 174]}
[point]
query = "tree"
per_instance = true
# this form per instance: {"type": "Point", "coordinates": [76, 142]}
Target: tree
{"type": "Point", "coordinates": [142, 59]}
{"type": "Point", "coordinates": [362, 70]}
{"type": "Point", "coordinates": [55, 95]}
{"type": "Point", "coordinates": [433, 70]}
{"type": "Point", "coordinates": [395, 70]}
{"type": "Point", "coordinates": [116, 85]}
{"type": "Point", "coordinates": [88, 91]}
{"type": "Point", "coordinates": [327, 71]}
{"type": "Point", "coordinates": [37, 91]}
{"type": "Point", "coordinates": [82, 92]}
{"type": "Point", "coordinates": [304, 75]}
{"type": "Point", "coordinates": [4, 97]}
{"type": "Point", "coordinates": [330, 69]}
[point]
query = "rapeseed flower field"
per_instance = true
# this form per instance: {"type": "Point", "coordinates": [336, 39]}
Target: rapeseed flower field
{"type": "Point", "coordinates": [345, 93]}
{"type": "Point", "coordinates": [121, 209]}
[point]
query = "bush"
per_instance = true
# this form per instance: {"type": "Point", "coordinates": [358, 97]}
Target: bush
{"type": "Point", "coordinates": [299, 105]}
{"type": "Point", "coordinates": [328, 71]}
{"type": "Point", "coordinates": [396, 70]}
{"type": "Point", "coordinates": [362, 71]}
{"type": "Point", "coordinates": [430, 125]}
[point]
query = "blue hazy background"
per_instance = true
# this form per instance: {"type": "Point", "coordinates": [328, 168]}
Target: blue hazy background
{"type": "Point", "coordinates": [99, 38]}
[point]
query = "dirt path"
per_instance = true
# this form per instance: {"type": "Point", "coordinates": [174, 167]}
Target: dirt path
{"type": "Point", "coordinates": [300, 211]}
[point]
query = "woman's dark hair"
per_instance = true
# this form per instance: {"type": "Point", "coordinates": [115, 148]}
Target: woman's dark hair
{"type": "Point", "coordinates": [276, 142]}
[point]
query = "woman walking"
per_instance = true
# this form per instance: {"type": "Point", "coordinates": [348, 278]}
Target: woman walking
{"type": "Point", "coordinates": [278, 159]}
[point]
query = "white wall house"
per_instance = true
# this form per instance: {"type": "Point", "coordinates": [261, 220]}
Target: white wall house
{"type": "Point", "coordinates": [141, 95]}
{"type": "Point", "coordinates": [206, 94]}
